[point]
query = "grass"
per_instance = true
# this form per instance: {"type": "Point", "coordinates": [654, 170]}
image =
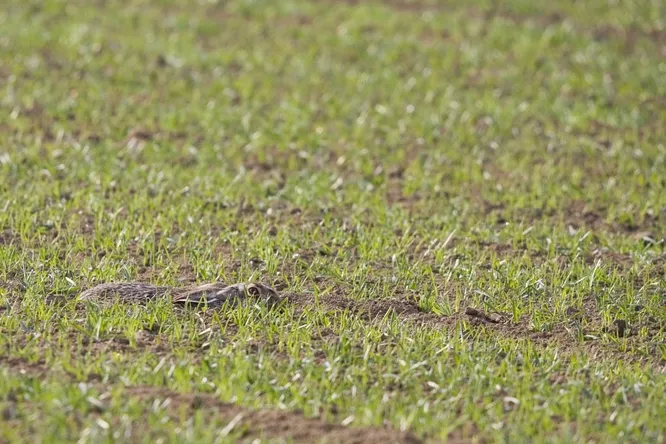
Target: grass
{"type": "Point", "coordinates": [387, 165]}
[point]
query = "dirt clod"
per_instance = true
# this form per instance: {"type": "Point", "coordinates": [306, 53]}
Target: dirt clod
{"type": "Point", "coordinates": [495, 318]}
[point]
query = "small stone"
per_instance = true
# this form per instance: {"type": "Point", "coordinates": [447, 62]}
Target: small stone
{"type": "Point", "coordinates": [494, 317]}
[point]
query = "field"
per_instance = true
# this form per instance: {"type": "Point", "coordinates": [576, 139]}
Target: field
{"type": "Point", "coordinates": [464, 204]}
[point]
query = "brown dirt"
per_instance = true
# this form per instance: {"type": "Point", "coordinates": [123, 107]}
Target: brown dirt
{"type": "Point", "coordinates": [585, 322]}
{"type": "Point", "coordinates": [369, 310]}
{"type": "Point", "coordinates": [580, 215]}
{"type": "Point", "coordinates": [145, 341]}
{"type": "Point", "coordinates": [23, 367]}
{"type": "Point", "coordinates": [629, 35]}
{"type": "Point", "coordinates": [7, 237]}
{"type": "Point", "coordinates": [472, 321]}
{"type": "Point", "coordinates": [476, 321]}
{"type": "Point", "coordinates": [274, 424]}
{"type": "Point", "coordinates": [575, 215]}
{"type": "Point", "coordinates": [254, 424]}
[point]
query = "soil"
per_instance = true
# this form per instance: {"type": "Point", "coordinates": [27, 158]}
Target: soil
{"type": "Point", "coordinates": [473, 321]}
{"type": "Point", "coordinates": [272, 423]}
{"type": "Point", "coordinates": [628, 35]}
{"type": "Point", "coordinates": [560, 336]}
{"type": "Point", "coordinates": [262, 423]}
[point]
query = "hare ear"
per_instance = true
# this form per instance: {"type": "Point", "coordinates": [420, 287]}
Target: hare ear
{"type": "Point", "coordinates": [197, 296]}
{"type": "Point", "coordinates": [227, 293]}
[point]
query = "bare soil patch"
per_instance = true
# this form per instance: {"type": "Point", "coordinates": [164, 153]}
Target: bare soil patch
{"type": "Point", "coordinates": [24, 367]}
{"type": "Point", "coordinates": [254, 424]}
{"type": "Point", "coordinates": [583, 331]}
{"type": "Point", "coordinates": [629, 35]}
{"type": "Point", "coordinates": [274, 424]}
{"type": "Point", "coordinates": [474, 320]}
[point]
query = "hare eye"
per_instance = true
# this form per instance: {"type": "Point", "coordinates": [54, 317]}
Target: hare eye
{"type": "Point", "coordinates": [252, 290]}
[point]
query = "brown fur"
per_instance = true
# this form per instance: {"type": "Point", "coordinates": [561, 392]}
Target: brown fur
{"type": "Point", "coordinates": [211, 295]}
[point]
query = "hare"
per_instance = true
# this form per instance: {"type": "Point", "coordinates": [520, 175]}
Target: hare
{"type": "Point", "coordinates": [212, 295]}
